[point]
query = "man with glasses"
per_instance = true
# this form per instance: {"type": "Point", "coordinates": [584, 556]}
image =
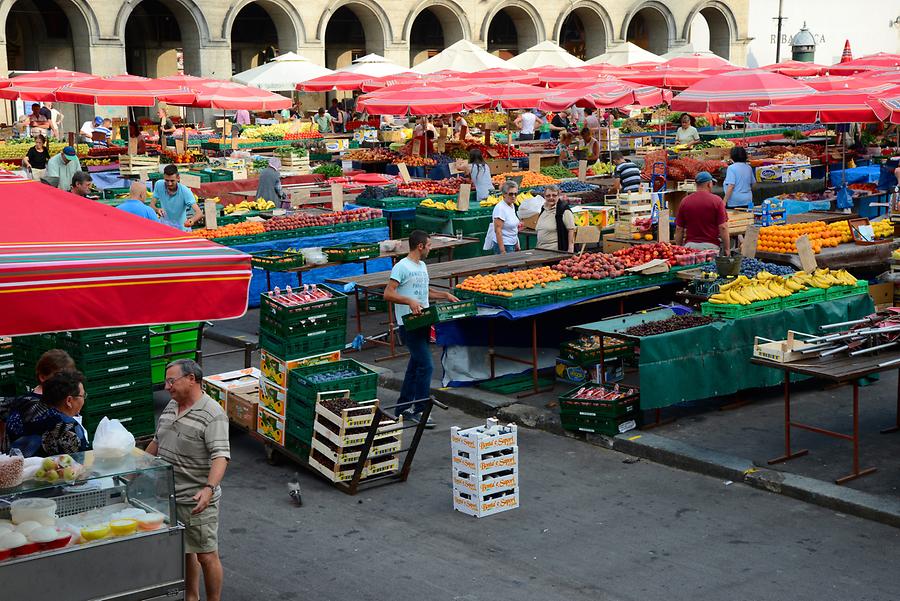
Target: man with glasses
{"type": "Point", "coordinates": [175, 199]}
{"type": "Point", "coordinates": [192, 435]}
{"type": "Point", "coordinates": [50, 424]}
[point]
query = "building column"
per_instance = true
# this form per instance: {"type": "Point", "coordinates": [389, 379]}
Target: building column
{"type": "Point", "coordinates": [215, 60]}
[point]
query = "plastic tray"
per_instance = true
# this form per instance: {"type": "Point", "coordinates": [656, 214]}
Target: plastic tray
{"type": "Point", "coordinates": [582, 357]}
{"type": "Point", "coordinates": [627, 405]}
{"type": "Point", "coordinates": [440, 313]}
{"type": "Point", "coordinates": [739, 311]}
{"type": "Point", "coordinates": [354, 251]}
{"type": "Point", "coordinates": [803, 298]}
{"type": "Point", "coordinates": [277, 260]}
{"type": "Point", "coordinates": [293, 315]}
{"type": "Point", "coordinates": [362, 387]}
{"type": "Point", "coordinates": [296, 348]}
{"type": "Point", "coordinates": [597, 425]}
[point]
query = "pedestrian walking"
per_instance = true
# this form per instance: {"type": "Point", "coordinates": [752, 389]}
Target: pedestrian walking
{"type": "Point", "coordinates": [192, 435]}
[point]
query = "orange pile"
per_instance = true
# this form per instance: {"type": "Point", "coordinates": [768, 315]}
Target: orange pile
{"type": "Point", "coordinates": [783, 238]}
{"type": "Point", "coordinates": [247, 228]}
{"type": "Point", "coordinates": [503, 284]}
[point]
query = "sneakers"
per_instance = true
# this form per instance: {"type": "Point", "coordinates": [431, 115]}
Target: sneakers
{"type": "Point", "coordinates": [415, 417]}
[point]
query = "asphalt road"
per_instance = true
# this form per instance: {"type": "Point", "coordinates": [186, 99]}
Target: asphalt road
{"type": "Point", "coordinates": [590, 527]}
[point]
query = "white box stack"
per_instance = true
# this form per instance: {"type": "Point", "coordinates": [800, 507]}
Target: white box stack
{"type": "Point", "coordinates": [485, 468]}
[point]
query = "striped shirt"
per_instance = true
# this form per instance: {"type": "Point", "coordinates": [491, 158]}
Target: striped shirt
{"type": "Point", "coordinates": [190, 442]}
{"type": "Point", "coordinates": [630, 176]}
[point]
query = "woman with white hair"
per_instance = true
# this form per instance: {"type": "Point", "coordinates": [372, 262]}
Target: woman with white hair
{"type": "Point", "coordinates": [270, 183]}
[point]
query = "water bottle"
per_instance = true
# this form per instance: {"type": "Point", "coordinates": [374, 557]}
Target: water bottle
{"type": "Point", "coordinates": [766, 215]}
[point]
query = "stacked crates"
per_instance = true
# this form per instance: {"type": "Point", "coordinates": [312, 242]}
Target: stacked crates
{"type": "Point", "coordinates": [26, 350]}
{"type": "Point", "coordinates": [172, 342]}
{"type": "Point", "coordinates": [609, 409]}
{"type": "Point", "coordinates": [296, 330]}
{"type": "Point", "coordinates": [485, 468]}
{"type": "Point", "coordinates": [339, 433]}
{"type": "Point", "coordinates": [116, 367]}
{"type": "Point", "coordinates": [7, 368]}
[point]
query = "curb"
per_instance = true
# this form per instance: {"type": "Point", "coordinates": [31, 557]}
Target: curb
{"type": "Point", "coordinates": [673, 453]}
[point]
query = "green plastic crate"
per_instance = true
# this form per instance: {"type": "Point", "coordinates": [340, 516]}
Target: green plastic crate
{"type": "Point", "coordinates": [512, 384]}
{"type": "Point", "coordinates": [296, 348]}
{"type": "Point", "coordinates": [626, 406]}
{"type": "Point", "coordinates": [291, 315]}
{"type": "Point", "coordinates": [137, 401]}
{"type": "Point", "coordinates": [315, 325]}
{"type": "Point", "coordinates": [390, 202]}
{"type": "Point", "coordinates": [470, 225]}
{"type": "Point", "coordinates": [376, 305]}
{"type": "Point", "coordinates": [861, 287]}
{"type": "Point", "coordinates": [431, 225]}
{"type": "Point", "coordinates": [140, 423]}
{"type": "Point", "coordinates": [277, 260]}
{"type": "Point", "coordinates": [739, 311]}
{"type": "Point", "coordinates": [299, 429]}
{"type": "Point", "coordinates": [363, 386]}
{"type": "Point", "coordinates": [440, 313]}
{"type": "Point", "coordinates": [803, 298]}
{"type": "Point", "coordinates": [296, 446]}
{"type": "Point", "coordinates": [354, 251]}
{"type": "Point", "coordinates": [584, 357]}
{"type": "Point", "coordinates": [597, 425]}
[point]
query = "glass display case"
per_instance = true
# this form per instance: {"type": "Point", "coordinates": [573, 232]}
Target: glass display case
{"type": "Point", "coordinates": [109, 533]}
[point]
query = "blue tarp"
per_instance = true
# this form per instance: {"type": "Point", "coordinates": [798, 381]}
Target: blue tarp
{"type": "Point", "coordinates": [110, 179]}
{"type": "Point", "coordinates": [856, 175]}
{"type": "Point", "coordinates": [314, 276]}
{"type": "Point", "coordinates": [795, 207]}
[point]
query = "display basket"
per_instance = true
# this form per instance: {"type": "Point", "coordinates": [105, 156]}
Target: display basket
{"type": "Point", "coordinates": [277, 260]}
{"type": "Point", "coordinates": [362, 385]}
{"type": "Point", "coordinates": [354, 251]}
{"type": "Point", "coordinates": [440, 313]}
{"type": "Point", "coordinates": [628, 405]}
{"type": "Point", "coordinates": [391, 202]}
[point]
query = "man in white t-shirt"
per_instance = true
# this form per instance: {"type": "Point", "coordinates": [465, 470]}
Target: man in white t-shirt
{"type": "Point", "coordinates": [526, 122]}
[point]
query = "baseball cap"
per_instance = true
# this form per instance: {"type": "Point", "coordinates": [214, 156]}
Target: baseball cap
{"type": "Point", "coordinates": [703, 177]}
{"type": "Point", "coordinates": [69, 151]}
{"type": "Point", "coordinates": [98, 120]}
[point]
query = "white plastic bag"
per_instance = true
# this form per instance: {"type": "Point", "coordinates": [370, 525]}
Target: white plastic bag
{"type": "Point", "coordinates": [112, 440]}
{"type": "Point", "coordinates": [531, 207]}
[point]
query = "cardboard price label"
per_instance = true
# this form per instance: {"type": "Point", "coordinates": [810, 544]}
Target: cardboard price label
{"type": "Point", "coordinates": [534, 162]}
{"type": "Point", "coordinates": [807, 256]}
{"type": "Point", "coordinates": [404, 172]}
{"type": "Point", "coordinates": [337, 197]}
{"type": "Point", "coordinates": [751, 238]}
{"type": "Point", "coordinates": [462, 200]}
{"type": "Point", "coordinates": [132, 146]}
{"type": "Point", "coordinates": [662, 225]}
{"type": "Point", "coordinates": [209, 214]}
{"type": "Point", "coordinates": [587, 234]}
{"type": "Point", "coordinates": [582, 170]}
{"type": "Point", "coordinates": [299, 197]}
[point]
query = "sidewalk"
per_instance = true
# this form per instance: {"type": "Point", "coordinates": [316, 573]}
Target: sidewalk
{"type": "Point", "coordinates": [734, 444]}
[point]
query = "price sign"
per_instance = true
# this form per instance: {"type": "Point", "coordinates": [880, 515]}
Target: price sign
{"type": "Point", "coordinates": [462, 201]}
{"type": "Point", "coordinates": [191, 181]}
{"type": "Point", "coordinates": [299, 197]}
{"type": "Point", "coordinates": [807, 256]}
{"type": "Point", "coordinates": [582, 170]}
{"type": "Point", "coordinates": [534, 163]}
{"type": "Point", "coordinates": [337, 197]}
{"type": "Point", "coordinates": [663, 225]}
{"type": "Point", "coordinates": [132, 146]}
{"type": "Point", "coordinates": [209, 214]}
{"type": "Point", "coordinates": [751, 237]}
{"type": "Point", "coordinates": [404, 172]}
{"type": "Point", "coordinates": [179, 143]}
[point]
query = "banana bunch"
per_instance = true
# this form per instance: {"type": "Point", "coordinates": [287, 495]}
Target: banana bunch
{"type": "Point", "coordinates": [825, 278]}
{"type": "Point", "coordinates": [428, 203]}
{"type": "Point", "coordinates": [764, 286]}
{"type": "Point", "coordinates": [490, 201]}
{"type": "Point", "coordinates": [721, 143]}
{"type": "Point", "coordinates": [260, 204]}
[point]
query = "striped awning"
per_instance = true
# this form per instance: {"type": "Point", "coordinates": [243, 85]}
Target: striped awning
{"type": "Point", "coordinates": [69, 263]}
{"type": "Point", "coordinates": [738, 91]}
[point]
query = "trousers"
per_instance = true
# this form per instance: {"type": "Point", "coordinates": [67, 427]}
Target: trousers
{"type": "Point", "coordinates": [417, 380]}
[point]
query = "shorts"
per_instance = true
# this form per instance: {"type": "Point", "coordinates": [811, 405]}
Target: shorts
{"type": "Point", "coordinates": [201, 531]}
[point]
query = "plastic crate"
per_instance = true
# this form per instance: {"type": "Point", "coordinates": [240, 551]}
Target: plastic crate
{"type": "Point", "coordinates": [139, 423]}
{"type": "Point", "coordinates": [470, 225]}
{"type": "Point", "coordinates": [571, 352]}
{"type": "Point", "coordinates": [138, 400]}
{"type": "Point", "coordinates": [290, 315]}
{"type": "Point", "coordinates": [739, 311]}
{"type": "Point", "coordinates": [86, 336]}
{"type": "Point", "coordinates": [296, 348]}
{"type": "Point", "coordinates": [391, 202]}
{"type": "Point", "coordinates": [296, 446]}
{"type": "Point", "coordinates": [512, 384]}
{"type": "Point", "coordinates": [277, 260]}
{"type": "Point", "coordinates": [573, 407]}
{"type": "Point", "coordinates": [363, 386]}
{"type": "Point", "coordinates": [597, 425]}
{"type": "Point", "coordinates": [301, 430]}
{"type": "Point", "coordinates": [354, 251]}
{"type": "Point", "coordinates": [861, 287]}
{"type": "Point", "coordinates": [440, 313]}
{"type": "Point", "coordinates": [803, 298]}
{"type": "Point", "coordinates": [127, 348]}
{"type": "Point", "coordinates": [314, 325]}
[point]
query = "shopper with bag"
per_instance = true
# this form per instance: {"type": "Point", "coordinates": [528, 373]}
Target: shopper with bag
{"type": "Point", "coordinates": [192, 435]}
{"type": "Point", "coordinates": [48, 425]}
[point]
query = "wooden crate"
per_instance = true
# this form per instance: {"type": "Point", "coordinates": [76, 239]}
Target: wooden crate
{"type": "Point", "coordinates": [344, 456]}
{"type": "Point", "coordinates": [295, 163]}
{"type": "Point", "coordinates": [349, 429]}
{"type": "Point", "coordinates": [341, 473]}
{"type": "Point", "coordinates": [135, 164]}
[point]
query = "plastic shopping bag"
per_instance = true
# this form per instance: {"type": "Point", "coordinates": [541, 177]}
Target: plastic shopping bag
{"type": "Point", "coordinates": [112, 440]}
{"type": "Point", "coordinates": [844, 198]}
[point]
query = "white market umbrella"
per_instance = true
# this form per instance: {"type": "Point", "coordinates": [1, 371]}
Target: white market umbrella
{"type": "Point", "coordinates": [626, 54]}
{"type": "Point", "coordinates": [687, 50]}
{"type": "Point", "coordinates": [462, 56]}
{"type": "Point", "coordinates": [281, 74]}
{"type": "Point", "coordinates": [374, 65]}
{"type": "Point", "coordinates": [545, 54]}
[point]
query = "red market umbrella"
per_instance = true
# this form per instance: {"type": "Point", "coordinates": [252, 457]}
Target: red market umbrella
{"type": "Point", "coordinates": [125, 90]}
{"type": "Point", "coordinates": [421, 100]}
{"type": "Point", "coordinates": [501, 76]}
{"type": "Point", "coordinates": [666, 77]}
{"type": "Point", "coordinates": [228, 95]}
{"type": "Point", "coordinates": [697, 62]}
{"type": "Point", "coordinates": [793, 68]}
{"type": "Point", "coordinates": [736, 91]}
{"type": "Point", "coordinates": [509, 95]}
{"type": "Point", "coordinates": [612, 94]}
{"type": "Point", "coordinates": [378, 83]}
{"type": "Point", "coordinates": [86, 265]}
{"type": "Point", "coordinates": [34, 90]}
{"type": "Point", "coordinates": [878, 77]}
{"type": "Point", "coordinates": [881, 60]}
{"type": "Point", "coordinates": [847, 54]}
{"type": "Point", "coordinates": [889, 103]}
{"type": "Point", "coordinates": [59, 75]}
{"type": "Point", "coordinates": [850, 106]}
{"type": "Point", "coordinates": [826, 83]}
{"type": "Point", "coordinates": [642, 66]}
{"type": "Point", "coordinates": [339, 80]}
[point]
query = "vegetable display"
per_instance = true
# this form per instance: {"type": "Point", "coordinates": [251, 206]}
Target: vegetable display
{"type": "Point", "coordinates": [557, 171]}
{"type": "Point", "coordinates": [329, 170]}
{"type": "Point", "coordinates": [503, 284]}
{"type": "Point", "coordinates": [643, 253]}
{"type": "Point", "coordinates": [681, 168]}
{"type": "Point", "coordinates": [672, 324]}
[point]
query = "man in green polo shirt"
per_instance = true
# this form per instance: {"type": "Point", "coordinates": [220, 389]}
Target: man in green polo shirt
{"type": "Point", "coordinates": [192, 435]}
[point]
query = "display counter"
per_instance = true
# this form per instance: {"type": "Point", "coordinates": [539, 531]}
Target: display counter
{"type": "Point", "coordinates": [138, 557]}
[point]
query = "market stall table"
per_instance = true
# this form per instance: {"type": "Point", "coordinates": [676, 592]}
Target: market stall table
{"type": "Point", "coordinates": [840, 370]}
{"type": "Point", "coordinates": [842, 256]}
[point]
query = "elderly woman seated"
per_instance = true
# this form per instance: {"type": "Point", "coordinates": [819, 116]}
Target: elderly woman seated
{"type": "Point", "coordinates": [47, 425]}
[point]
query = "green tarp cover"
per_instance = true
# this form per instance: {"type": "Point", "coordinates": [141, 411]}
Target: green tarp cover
{"type": "Point", "coordinates": [714, 360]}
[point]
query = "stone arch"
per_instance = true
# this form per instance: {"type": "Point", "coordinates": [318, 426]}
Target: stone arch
{"type": "Point", "coordinates": [288, 22]}
{"type": "Point", "coordinates": [448, 18]}
{"type": "Point", "coordinates": [598, 28]}
{"type": "Point", "coordinates": [83, 25]}
{"type": "Point", "coordinates": [527, 20]}
{"type": "Point", "coordinates": [374, 20]}
{"type": "Point", "coordinates": [657, 15]}
{"type": "Point", "coordinates": [723, 26]}
{"type": "Point", "coordinates": [192, 26]}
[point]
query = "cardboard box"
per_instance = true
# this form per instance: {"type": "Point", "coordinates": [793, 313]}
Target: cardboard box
{"type": "Point", "coordinates": [270, 425]}
{"type": "Point", "coordinates": [219, 386]}
{"type": "Point", "coordinates": [610, 245]}
{"type": "Point", "coordinates": [243, 408]}
{"type": "Point", "coordinates": [391, 136]}
{"type": "Point", "coordinates": [272, 397]}
{"type": "Point", "coordinates": [276, 370]}
{"type": "Point", "coordinates": [569, 371]}
{"type": "Point", "coordinates": [882, 293]}
{"type": "Point", "coordinates": [471, 462]}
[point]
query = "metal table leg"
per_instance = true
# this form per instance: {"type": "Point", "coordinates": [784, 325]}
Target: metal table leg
{"type": "Point", "coordinates": [896, 426]}
{"type": "Point", "coordinates": [857, 473]}
{"type": "Point", "coordinates": [787, 426]}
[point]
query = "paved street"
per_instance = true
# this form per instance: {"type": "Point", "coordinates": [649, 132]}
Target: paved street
{"type": "Point", "coordinates": [590, 527]}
